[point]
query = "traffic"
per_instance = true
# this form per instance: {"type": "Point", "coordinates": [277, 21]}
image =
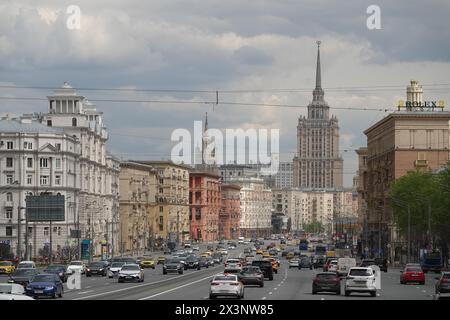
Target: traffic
{"type": "Point", "coordinates": [278, 267]}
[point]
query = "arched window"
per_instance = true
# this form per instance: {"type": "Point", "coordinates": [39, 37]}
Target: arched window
{"type": "Point", "coordinates": [74, 122]}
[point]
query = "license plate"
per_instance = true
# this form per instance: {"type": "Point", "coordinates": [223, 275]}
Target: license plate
{"type": "Point", "coordinates": [129, 277]}
{"type": "Point", "coordinates": [38, 291]}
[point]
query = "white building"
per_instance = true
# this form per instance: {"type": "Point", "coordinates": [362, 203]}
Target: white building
{"type": "Point", "coordinates": [285, 175]}
{"type": "Point", "coordinates": [89, 176]}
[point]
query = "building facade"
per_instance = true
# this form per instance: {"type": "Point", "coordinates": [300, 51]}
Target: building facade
{"type": "Point", "coordinates": [230, 212]}
{"type": "Point", "coordinates": [205, 205]}
{"type": "Point", "coordinates": [172, 201]}
{"type": "Point", "coordinates": [318, 164]}
{"type": "Point", "coordinates": [138, 201]}
{"type": "Point", "coordinates": [284, 177]}
{"type": "Point", "coordinates": [410, 139]}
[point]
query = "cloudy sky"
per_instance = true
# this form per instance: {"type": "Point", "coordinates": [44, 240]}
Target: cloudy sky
{"type": "Point", "coordinates": [249, 48]}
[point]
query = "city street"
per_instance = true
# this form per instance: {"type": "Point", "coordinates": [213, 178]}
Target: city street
{"type": "Point", "coordinates": [288, 284]}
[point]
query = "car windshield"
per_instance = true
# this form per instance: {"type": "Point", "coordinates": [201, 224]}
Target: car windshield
{"type": "Point", "coordinates": [360, 272]}
{"type": "Point", "coordinates": [326, 276]}
{"type": "Point", "coordinates": [232, 261]}
{"type": "Point", "coordinates": [96, 265]}
{"type": "Point", "coordinates": [117, 264]}
{"type": "Point", "coordinates": [26, 265]}
{"type": "Point", "coordinates": [250, 270]}
{"type": "Point", "coordinates": [55, 267]}
{"type": "Point", "coordinates": [24, 272]}
{"type": "Point", "coordinates": [191, 259]}
{"type": "Point", "coordinates": [76, 263]}
{"type": "Point", "coordinates": [225, 278]}
{"type": "Point", "coordinates": [413, 270]}
{"type": "Point", "coordinates": [173, 261]}
{"type": "Point", "coordinates": [130, 267]}
{"type": "Point", "coordinates": [5, 263]}
{"type": "Point", "coordinates": [43, 278]}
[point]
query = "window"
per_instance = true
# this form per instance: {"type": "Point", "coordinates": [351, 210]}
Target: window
{"type": "Point", "coordinates": [161, 190]}
{"type": "Point", "coordinates": [161, 209]}
{"type": "Point", "coordinates": [30, 230]}
{"type": "Point", "coordinates": [9, 231]}
{"type": "Point", "coordinates": [29, 179]}
{"type": "Point", "coordinates": [28, 145]}
{"type": "Point", "coordinates": [49, 123]}
{"type": "Point", "coordinates": [74, 122]}
{"type": "Point", "coordinates": [9, 162]}
{"type": "Point", "coordinates": [161, 220]}
{"type": "Point", "coordinates": [9, 145]}
{"type": "Point", "coordinates": [43, 162]}
{"type": "Point", "coordinates": [58, 163]}
{"type": "Point", "coordinates": [9, 179]}
{"type": "Point", "coordinates": [58, 146]}
{"type": "Point", "coordinates": [58, 180]}
{"type": "Point", "coordinates": [9, 196]}
{"type": "Point", "coordinates": [46, 231]}
{"type": "Point", "coordinates": [29, 162]}
{"type": "Point", "coordinates": [44, 180]}
{"type": "Point", "coordinates": [9, 213]}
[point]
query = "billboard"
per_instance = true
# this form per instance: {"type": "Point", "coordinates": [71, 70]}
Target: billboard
{"type": "Point", "coordinates": [45, 208]}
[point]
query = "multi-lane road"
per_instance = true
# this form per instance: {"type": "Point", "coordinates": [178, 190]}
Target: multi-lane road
{"type": "Point", "coordinates": [288, 284]}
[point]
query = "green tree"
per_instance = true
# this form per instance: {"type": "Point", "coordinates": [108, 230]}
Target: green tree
{"type": "Point", "coordinates": [314, 227]}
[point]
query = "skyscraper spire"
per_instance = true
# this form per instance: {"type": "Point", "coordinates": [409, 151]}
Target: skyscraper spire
{"type": "Point", "coordinates": [318, 92]}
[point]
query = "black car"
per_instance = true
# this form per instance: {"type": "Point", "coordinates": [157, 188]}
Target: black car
{"type": "Point", "coordinates": [173, 265]}
{"type": "Point", "coordinates": [305, 262]}
{"type": "Point", "coordinates": [191, 263]}
{"type": "Point", "coordinates": [203, 263]}
{"type": "Point", "coordinates": [59, 270]}
{"type": "Point", "coordinates": [443, 283]}
{"type": "Point", "coordinates": [251, 275]}
{"type": "Point", "coordinates": [96, 268]}
{"type": "Point", "coordinates": [23, 276]}
{"type": "Point", "coordinates": [326, 282]}
{"type": "Point", "coordinates": [265, 266]}
{"type": "Point", "coordinates": [382, 264]}
{"type": "Point", "coordinates": [318, 262]}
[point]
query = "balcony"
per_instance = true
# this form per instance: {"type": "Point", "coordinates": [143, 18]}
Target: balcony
{"type": "Point", "coordinates": [8, 204]}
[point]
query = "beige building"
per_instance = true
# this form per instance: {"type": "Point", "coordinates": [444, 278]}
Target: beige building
{"type": "Point", "coordinates": [172, 194]}
{"type": "Point", "coordinates": [138, 218]}
{"type": "Point", "coordinates": [318, 164]}
{"type": "Point", "coordinates": [408, 139]}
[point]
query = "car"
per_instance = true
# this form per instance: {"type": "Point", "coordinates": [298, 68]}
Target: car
{"type": "Point", "coordinates": [217, 258]}
{"type": "Point", "coordinates": [333, 265]}
{"type": "Point", "coordinates": [412, 274]}
{"type": "Point", "coordinates": [13, 291]}
{"type": "Point", "coordinates": [251, 275]}
{"type": "Point", "coordinates": [131, 272]}
{"type": "Point", "coordinates": [265, 266]}
{"type": "Point", "coordinates": [210, 247]}
{"type": "Point", "coordinates": [195, 248]}
{"type": "Point", "coordinates": [227, 285]}
{"type": "Point", "coordinates": [233, 263]}
{"type": "Point", "coordinates": [367, 263]}
{"type": "Point", "coordinates": [210, 261]}
{"type": "Point", "coordinates": [7, 267]}
{"type": "Point", "coordinates": [318, 262]}
{"type": "Point", "coordinates": [290, 255]}
{"type": "Point", "coordinates": [113, 271]}
{"type": "Point", "coordinates": [247, 251]}
{"type": "Point", "coordinates": [382, 264]}
{"type": "Point", "coordinates": [23, 276]}
{"type": "Point", "coordinates": [275, 264]}
{"type": "Point", "coordinates": [443, 283]}
{"type": "Point", "coordinates": [192, 262]}
{"type": "Point", "coordinates": [26, 265]}
{"type": "Point", "coordinates": [344, 264]}
{"type": "Point", "coordinates": [326, 282]}
{"type": "Point", "coordinates": [305, 262]}
{"type": "Point", "coordinates": [76, 266]}
{"type": "Point", "coordinates": [273, 252]}
{"type": "Point", "coordinates": [97, 268]}
{"type": "Point", "coordinates": [223, 251]}
{"type": "Point", "coordinates": [138, 260]}
{"type": "Point", "coordinates": [173, 265]}
{"type": "Point", "coordinates": [58, 269]}
{"type": "Point", "coordinates": [183, 258]}
{"type": "Point", "coordinates": [327, 263]}
{"type": "Point", "coordinates": [294, 263]}
{"type": "Point", "coordinates": [147, 262]}
{"type": "Point", "coordinates": [161, 260]}
{"type": "Point", "coordinates": [203, 263]}
{"type": "Point", "coordinates": [45, 285]}
{"type": "Point", "coordinates": [360, 279]}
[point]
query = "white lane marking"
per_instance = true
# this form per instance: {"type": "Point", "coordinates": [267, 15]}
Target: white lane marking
{"type": "Point", "coordinates": [322, 298]}
{"type": "Point", "coordinates": [279, 285]}
{"type": "Point", "coordinates": [176, 288]}
{"type": "Point", "coordinates": [263, 298]}
{"type": "Point", "coordinates": [275, 289]}
{"type": "Point", "coordinates": [270, 292]}
{"type": "Point", "coordinates": [83, 292]}
{"type": "Point", "coordinates": [137, 286]}
{"type": "Point", "coordinates": [88, 287]}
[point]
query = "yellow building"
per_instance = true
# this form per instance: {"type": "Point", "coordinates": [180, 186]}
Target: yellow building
{"type": "Point", "coordinates": [138, 186]}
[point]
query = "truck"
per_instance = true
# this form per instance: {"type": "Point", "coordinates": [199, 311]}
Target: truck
{"type": "Point", "coordinates": [431, 260]}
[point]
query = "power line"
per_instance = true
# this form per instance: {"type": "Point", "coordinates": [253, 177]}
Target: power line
{"type": "Point", "coordinates": [214, 103]}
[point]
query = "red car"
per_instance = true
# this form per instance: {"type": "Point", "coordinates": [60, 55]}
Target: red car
{"type": "Point", "coordinates": [412, 274]}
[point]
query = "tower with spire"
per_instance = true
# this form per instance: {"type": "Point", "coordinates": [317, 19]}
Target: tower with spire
{"type": "Point", "coordinates": [317, 164]}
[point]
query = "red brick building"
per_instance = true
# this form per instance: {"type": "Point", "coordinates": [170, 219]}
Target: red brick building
{"type": "Point", "coordinates": [230, 213]}
{"type": "Point", "coordinates": [205, 202]}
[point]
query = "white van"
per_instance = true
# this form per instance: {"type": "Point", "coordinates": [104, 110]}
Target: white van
{"type": "Point", "coordinates": [344, 265]}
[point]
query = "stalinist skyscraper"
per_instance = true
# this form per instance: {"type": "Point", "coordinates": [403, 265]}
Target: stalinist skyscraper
{"type": "Point", "coordinates": [317, 164]}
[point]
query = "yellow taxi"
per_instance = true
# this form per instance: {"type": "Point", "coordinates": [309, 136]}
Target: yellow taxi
{"type": "Point", "coordinates": [275, 264]}
{"type": "Point", "coordinates": [259, 251]}
{"type": "Point", "coordinates": [7, 267]}
{"type": "Point", "coordinates": [206, 254]}
{"type": "Point", "coordinates": [266, 255]}
{"type": "Point", "coordinates": [147, 262]}
{"type": "Point", "coordinates": [161, 260]}
{"type": "Point", "coordinates": [290, 255]}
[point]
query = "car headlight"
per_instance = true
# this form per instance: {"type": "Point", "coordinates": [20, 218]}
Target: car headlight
{"type": "Point", "coordinates": [100, 269]}
{"type": "Point", "coordinates": [49, 288]}
{"type": "Point", "coordinates": [88, 269]}
{"type": "Point", "coordinates": [60, 274]}
{"type": "Point", "coordinates": [28, 288]}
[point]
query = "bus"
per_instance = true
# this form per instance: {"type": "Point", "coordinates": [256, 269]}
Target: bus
{"type": "Point", "coordinates": [303, 246]}
{"type": "Point", "coordinates": [320, 250]}
{"type": "Point", "coordinates": [431, 260]}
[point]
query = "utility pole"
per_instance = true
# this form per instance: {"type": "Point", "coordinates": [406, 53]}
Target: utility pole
{"type": "Point", "coordinates": [429, 223]}
{"type": "Point", "coordinates": [409, 234]}
{"type": "Point", "coordinates": [51, 242]}
{"type": "Point", "coordinates": [19, 247]}
{"type": "Point", "coordinates": [26, 236]}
